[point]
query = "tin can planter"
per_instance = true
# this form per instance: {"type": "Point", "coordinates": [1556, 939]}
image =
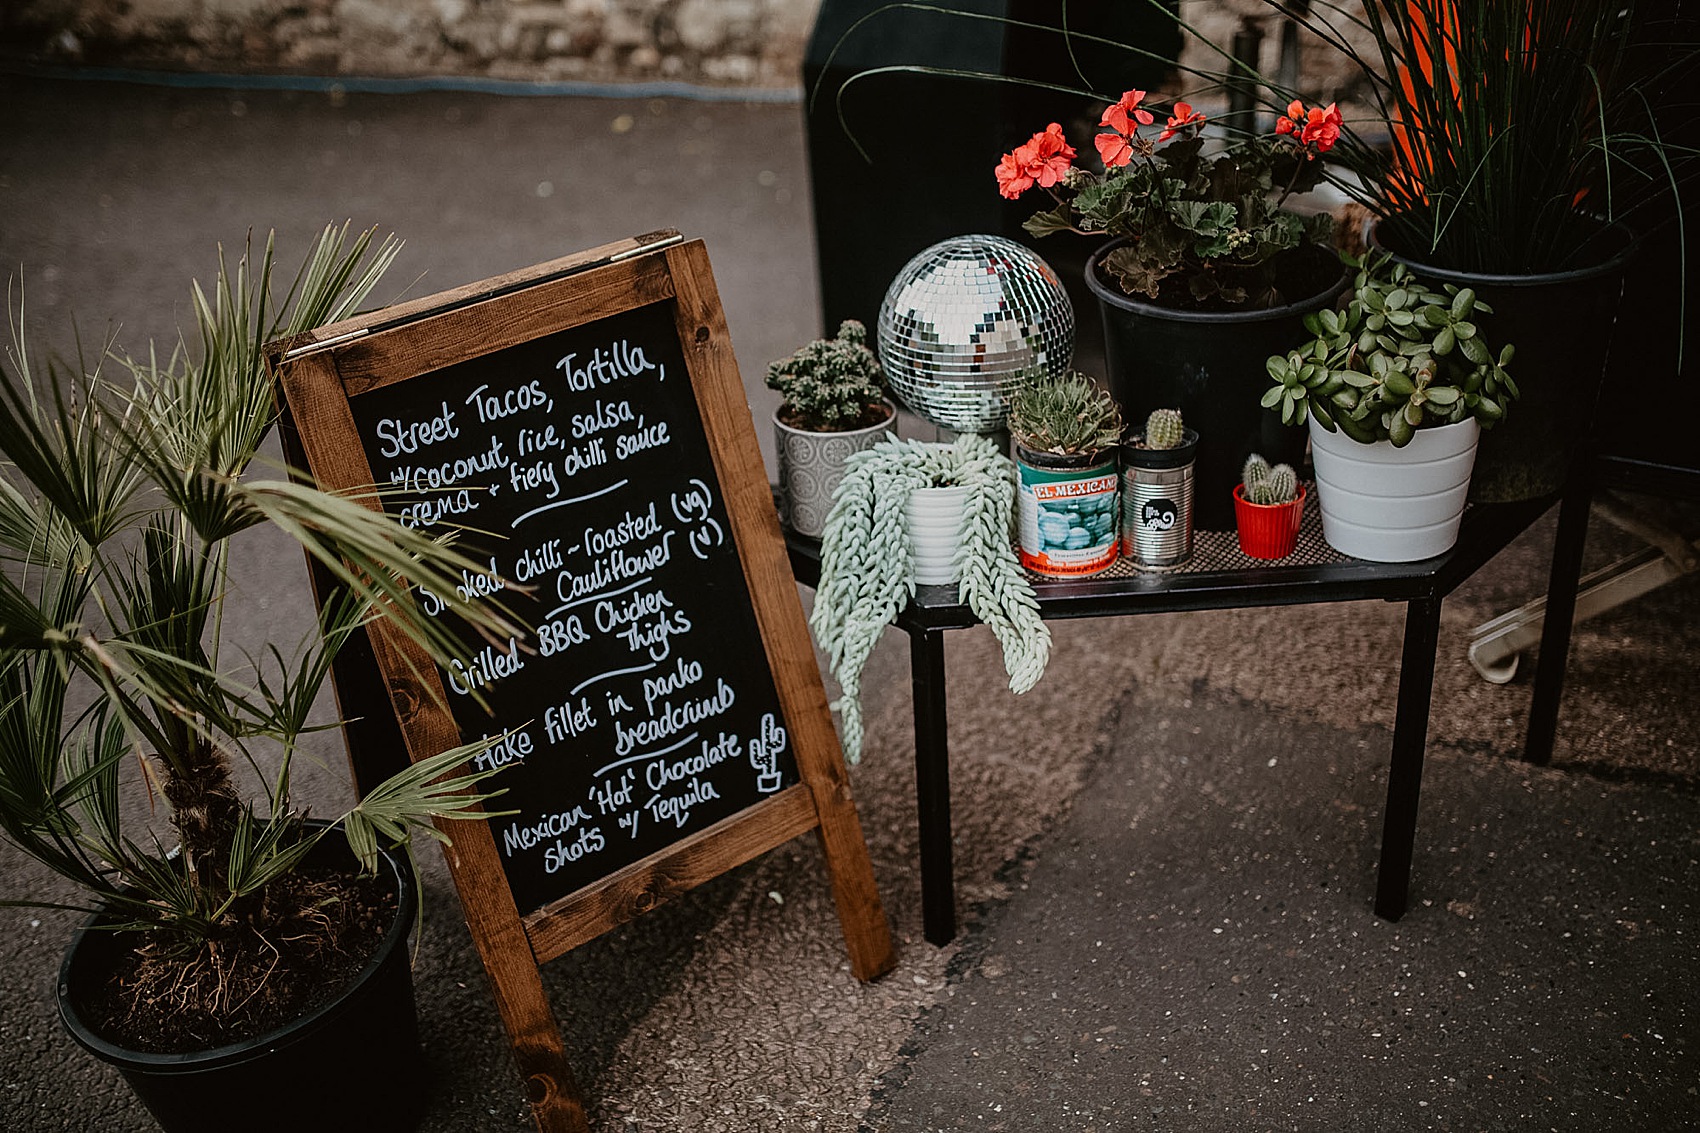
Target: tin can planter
{"type": "Point", "coordinates": [1156, 511]}
{"type": "Point", "coordinates": [1268, 531]}
{"type": "Point", "coordinates": [1066, 512]}
{"type": "Point", "coordinates": [811, 464]}
{"type": "Point", "coordinates": [933, 518]}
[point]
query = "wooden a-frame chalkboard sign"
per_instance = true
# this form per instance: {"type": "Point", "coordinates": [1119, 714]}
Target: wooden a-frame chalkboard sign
{"type": "Point", "coordinates": [584, 425]}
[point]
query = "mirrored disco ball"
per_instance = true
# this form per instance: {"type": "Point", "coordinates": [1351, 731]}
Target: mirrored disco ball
{"type": "Point", "coordinates": [966, 324]}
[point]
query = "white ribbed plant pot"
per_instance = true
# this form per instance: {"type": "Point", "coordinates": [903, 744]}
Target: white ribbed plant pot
{"type": "Point", "coordinates": [1394, 505]}
{"type": "Point", "coordinates": [933, 518]}
{"type": "Point", "coordinates": [811, 465]}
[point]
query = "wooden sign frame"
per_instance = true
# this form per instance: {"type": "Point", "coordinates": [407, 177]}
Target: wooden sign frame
{"type": "Point", "coordinates": [322, 371]}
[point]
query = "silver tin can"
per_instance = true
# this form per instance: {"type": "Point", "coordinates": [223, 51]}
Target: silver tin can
{"type": "Point", "coordinates": [1157, 493]}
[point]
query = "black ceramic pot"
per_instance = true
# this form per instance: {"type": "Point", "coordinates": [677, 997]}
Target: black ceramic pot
{"type": "Point", "coordinates": [1561, 326]}
{"type": "Point", "coordinates": [352, 1063]}
{"type": "Point", "coordinates": [1210, 366]}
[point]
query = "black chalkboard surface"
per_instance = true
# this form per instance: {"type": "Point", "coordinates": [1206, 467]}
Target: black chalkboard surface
{"type": "Point", "coordinates": [582, 426]}
{"type": "Point", "coordinates": [642, 708]}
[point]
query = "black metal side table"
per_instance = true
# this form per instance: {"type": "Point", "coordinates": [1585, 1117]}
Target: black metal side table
{"type": "Point", "coordinates": [1218, 576]}
{"type": "Point", "coordinates": [1670, 469]}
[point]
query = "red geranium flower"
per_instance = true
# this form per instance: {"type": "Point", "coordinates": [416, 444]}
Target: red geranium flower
{"type": "Point", "coordinates": [1042, 160]}
{"type": "Point", "coordinates": [1114, 149]}
{"type": "Point", "coordinates": [1322, 127]}
{"type": "Point", "coordinates": [1184, 115]}
{"type": "Point", "coordinates": [1121, 116]}
{"type": "Point", "coordinates": [1316, 129]}
{"type": "Point", "coordinates": [1012, 175]}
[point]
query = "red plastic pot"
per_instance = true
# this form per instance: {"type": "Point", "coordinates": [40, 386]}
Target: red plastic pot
{"type": "Point", "coordinates": [1268, 531]}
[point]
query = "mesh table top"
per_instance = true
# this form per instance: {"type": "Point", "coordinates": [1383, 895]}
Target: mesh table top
{"type": "Point", "coordinates": [1220, 551]}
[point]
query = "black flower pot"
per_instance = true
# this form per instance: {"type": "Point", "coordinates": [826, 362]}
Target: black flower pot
{"type": "Point", "coordinates": [1561, 326]}
{"type": "Point", "coordinates": [1210, 366]}
{"type": "Point", "coordinates": [351, 1063]}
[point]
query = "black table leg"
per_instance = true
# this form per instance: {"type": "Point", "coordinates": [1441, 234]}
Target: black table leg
{"type": "Point", "coordinates": [932, 786]}
{"type": "Point", "coordinates": [1555, 629]}
{"type": "Point", "coordinates": [1410, 737]}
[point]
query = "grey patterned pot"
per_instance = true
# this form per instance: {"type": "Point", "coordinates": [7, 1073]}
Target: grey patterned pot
{"type": "Point", "coordinates": [811, 466]}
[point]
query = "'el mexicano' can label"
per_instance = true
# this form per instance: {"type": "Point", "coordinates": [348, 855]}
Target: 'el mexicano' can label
{"type": "Point", "coordinates": [1069, 521]}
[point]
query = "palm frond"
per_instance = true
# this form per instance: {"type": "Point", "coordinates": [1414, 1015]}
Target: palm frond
{"type": "Point", "coordinates": [407, 802]}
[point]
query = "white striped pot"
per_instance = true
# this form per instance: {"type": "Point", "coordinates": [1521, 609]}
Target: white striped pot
{"type": "Point", "coordinates": [933, 518]}
{"type": "Point", "coordinates": [1394, 505]}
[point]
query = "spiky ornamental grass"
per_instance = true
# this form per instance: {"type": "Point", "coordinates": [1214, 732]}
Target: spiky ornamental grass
{"type": "Point", "coordinates": [832, 384]}
{"type": "Point", "coordinates": [118, 501]}
{"type": "Point", "coordinates": [867, 562]}
{"type": "Point", "coordinates": [1066, 414]}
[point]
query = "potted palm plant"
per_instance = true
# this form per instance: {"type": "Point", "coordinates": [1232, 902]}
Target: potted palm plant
{"type": "Point", "coordinates": [876, 546]}
{"type": "Point", "coordinates": [1396, 388]}
{"type": "Point", "coordinates": [1066, 431]}
{"type": "Point", "coordinates": [234, 947]}
{"type": "Point", "coordinates": [834, 405]}
{"type": "Point", "coordinates": [1206, 270]}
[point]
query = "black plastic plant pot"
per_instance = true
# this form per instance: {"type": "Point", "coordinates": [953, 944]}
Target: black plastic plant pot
{"type": "Point", "coordinates": [354, 1062]}
{"type": "Point", "coordinates": [1560, 324]}
{"type": "Point", "coordinates": [1210, 366]}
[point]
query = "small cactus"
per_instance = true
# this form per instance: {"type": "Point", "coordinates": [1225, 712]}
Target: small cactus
{"type": "Point", "coordinates": [1163, 429]}
{"type": "Point", "coordinates": [1255, 469]}
{"type": "Point", "coordinates": [1266, 485]}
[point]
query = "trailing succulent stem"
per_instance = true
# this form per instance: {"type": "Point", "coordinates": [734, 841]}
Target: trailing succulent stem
{"type": "Point", "coordinates": [1400, 357]}
{"type": "Point", "coordinates": [867, 562]}
{"type": "Point", "coordinates": [1064, 414]}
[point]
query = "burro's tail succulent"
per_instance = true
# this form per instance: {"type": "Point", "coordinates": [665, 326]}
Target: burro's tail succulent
{"type": "Point", "coordinates": [1163, 429]}
{"type": "Point", "coordinates": [1269, 485]}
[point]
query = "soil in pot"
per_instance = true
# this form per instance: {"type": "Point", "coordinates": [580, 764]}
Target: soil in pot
{"type": "Point", "coordinates": [1210, 365]}
{"type": "Point", "coordinates": [157, 999]}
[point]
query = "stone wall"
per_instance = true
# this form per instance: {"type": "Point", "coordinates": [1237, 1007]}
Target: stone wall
{"type": "Point", "coordinates": [720, 42]}
{"type": "Point", "coordinates": [1327, 75]}
{"type": "Point", "coordinates": [738, 43]}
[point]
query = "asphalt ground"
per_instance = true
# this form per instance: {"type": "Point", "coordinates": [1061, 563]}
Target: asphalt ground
{"type": "Point", "coordinates": [1165, 852]}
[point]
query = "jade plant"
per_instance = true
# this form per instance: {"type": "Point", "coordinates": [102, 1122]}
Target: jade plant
{"type": "Point", "coordinates": [1266, 484]}
{"type": "Point", "coordinates": [1064, 415]}
{"type": "Point", "coordinates": [832, 384]}
{"type": "Point", "coordinates": [1400, 357]}
{"type": "Point", "coordinates": [1164, 429]}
